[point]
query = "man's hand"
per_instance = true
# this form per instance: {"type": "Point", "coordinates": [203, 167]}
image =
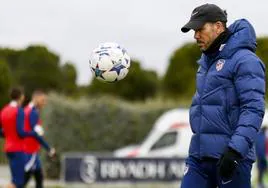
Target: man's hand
{"type": "Point", "coordinates": [52, 152]}
{"type": "Point", "coordinates": [39, 130]}
{"type": "Point", "coordinates": [228, 163]}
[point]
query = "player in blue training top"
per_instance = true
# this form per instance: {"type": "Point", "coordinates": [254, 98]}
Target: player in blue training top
{"type": "Point", "coordinates": [31, 145]}
{"type": "Point", "coordinates": [261, 156]}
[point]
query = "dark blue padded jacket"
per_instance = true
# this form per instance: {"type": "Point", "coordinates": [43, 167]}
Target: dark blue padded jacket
{"type": "Point", "coordinates": [228, 106]}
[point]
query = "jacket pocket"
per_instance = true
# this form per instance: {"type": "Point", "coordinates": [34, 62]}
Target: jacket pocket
{"type": "Point", "coordinates": [227, 107]}
{"type": "Point", "coordinates": [213, 91]}
{"type": "Point", "coordinates": [227, 100]}
{"type": "Point", "coordinates": [230, 108]}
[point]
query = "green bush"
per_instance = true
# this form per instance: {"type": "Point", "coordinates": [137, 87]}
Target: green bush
{"type": "Point", "coordinates": [179, 79]}
{"type": "Point", "coordinates": [97, 124]}
{"type": "Point", "coordinates": [5, 82]}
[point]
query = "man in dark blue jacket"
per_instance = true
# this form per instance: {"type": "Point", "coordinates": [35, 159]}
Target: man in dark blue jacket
{"type": "Point", "coordinates": [228, 106]}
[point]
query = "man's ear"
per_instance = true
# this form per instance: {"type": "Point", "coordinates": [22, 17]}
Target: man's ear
{"type": "Point", "coordinates": [219, 27]}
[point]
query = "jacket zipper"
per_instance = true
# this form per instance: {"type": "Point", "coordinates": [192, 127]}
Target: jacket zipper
{"type": "Point", "coordinates": [201, 103]}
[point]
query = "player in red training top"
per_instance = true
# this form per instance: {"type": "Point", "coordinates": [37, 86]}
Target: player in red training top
{"type": "Point", "coordinates": [12, 121]}
{"type": "Point", "coordinates": [32, 122]}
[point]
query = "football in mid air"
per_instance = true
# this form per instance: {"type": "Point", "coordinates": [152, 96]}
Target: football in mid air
{"type": "Point", "coordinates": [109, 62]}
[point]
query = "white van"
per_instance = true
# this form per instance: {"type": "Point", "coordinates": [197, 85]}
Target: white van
{"type": "Point", "coordinates": [170, 137]}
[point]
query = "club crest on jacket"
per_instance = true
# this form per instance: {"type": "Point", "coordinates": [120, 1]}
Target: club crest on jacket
{"type": "Point", "coordinates": [220, 64]}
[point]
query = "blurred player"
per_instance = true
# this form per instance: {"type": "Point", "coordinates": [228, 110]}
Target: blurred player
{"type": "Point", "coordinates": [12, 120]}
{"type": "Point", "coordinates": [261, 157]}
{"type": "Point", "coordinates": [32, 145]}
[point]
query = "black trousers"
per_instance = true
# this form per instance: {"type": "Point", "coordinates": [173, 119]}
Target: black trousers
{"type": "Point", "coordinates": [38, 176]}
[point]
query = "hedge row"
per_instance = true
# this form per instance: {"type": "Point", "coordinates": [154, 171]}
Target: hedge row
{"type": "Point", "coordinates": [97, 124]}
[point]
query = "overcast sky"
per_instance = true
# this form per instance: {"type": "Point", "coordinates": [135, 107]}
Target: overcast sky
{"type": "Point", "coordinates": [148, 29]}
